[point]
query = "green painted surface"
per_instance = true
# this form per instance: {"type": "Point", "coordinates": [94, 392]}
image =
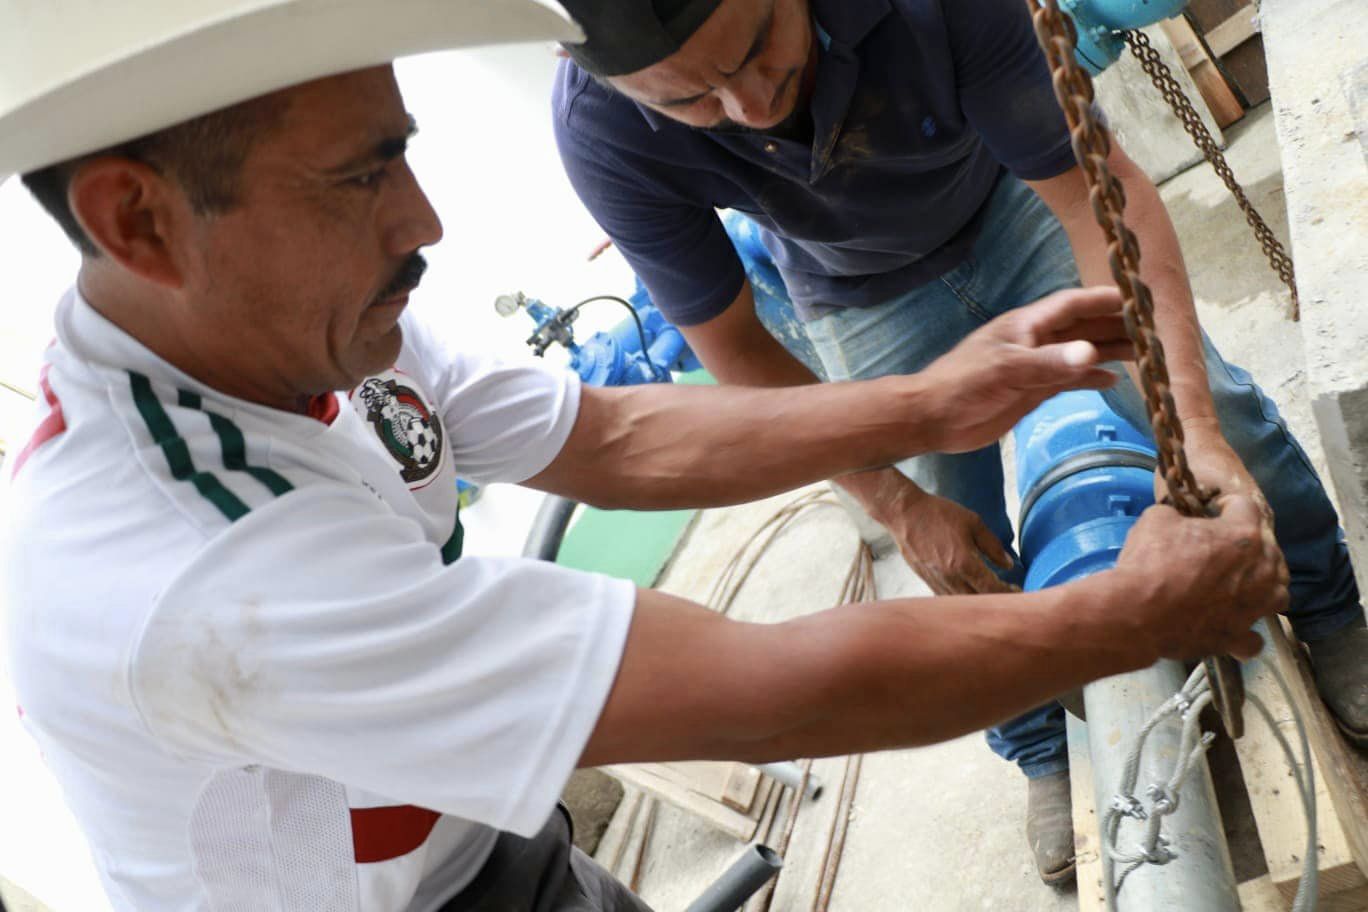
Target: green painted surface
{"type": "Point", "coordinates": [625, 543]}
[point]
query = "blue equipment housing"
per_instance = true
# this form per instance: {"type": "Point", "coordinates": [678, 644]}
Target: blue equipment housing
{"type": "Point", "coordinates": [1085, 475]}
{"type": "Point", "coordinates": [772, 304]}
{"type": "Point", "coordinates": [1099, 22]}
{"type": "Point", "coordinates": [615, 357]}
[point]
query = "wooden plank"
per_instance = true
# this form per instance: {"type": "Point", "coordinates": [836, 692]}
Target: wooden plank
{"type": "Point", "coordinates": [733, 784]}
{"type": "Point", "coordinates": [1224, 106]}
{"type": "Point", "coordinates": [708, 779]}
{"type": "Point", "coordinates": [648, 778]}
{"type": "Point", "coordinates": [1346, 771]}
{"type": "Point", "coordinates": [1259, 895]}
{"type": "Point", "coordinates": [742, 784]}
{"type": "Point", "coordinates": [1087, 833]}
{"type": "Point", "coordinates": [1242, 65]}
{"type": "Point", "coordinates": [1208, 14]}
{"type": "Point", "coordinates": [1277, 807]}
{"type": "Point", "coordinates": [1185, 42]}
{"type": "Point", "coordinates": [1247, 71]}
{"type": "Point", "coordinates": [1234, 32]}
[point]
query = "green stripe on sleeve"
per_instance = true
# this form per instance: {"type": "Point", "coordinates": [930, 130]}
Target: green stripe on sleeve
{"type": "Point", "coordinates": [452, 549]}
{"type": "Point", "coordinates": [177, 453]}
{"type": "Point", "coordinates": [234, 446]}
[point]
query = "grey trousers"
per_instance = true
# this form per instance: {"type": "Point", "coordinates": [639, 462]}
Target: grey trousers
{"type": "Point", "coordinates": [544, 874]}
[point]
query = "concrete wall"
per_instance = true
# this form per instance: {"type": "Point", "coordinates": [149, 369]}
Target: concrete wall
{"type": "Point", "coordinates": [1318, 74]}
{"type": "Point", "coordinates": [1142, 121]}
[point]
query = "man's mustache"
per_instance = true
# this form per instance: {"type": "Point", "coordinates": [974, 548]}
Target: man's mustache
{"type": "Point", "coordinates": [406, 279]}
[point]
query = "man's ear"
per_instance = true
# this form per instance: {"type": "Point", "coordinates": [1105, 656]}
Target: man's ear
{"type": "Point", "coordinates": [134, 215]}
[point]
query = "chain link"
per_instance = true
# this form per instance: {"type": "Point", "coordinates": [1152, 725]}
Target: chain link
{"type": "Point", "coordinates": [1091, 144]}
{"type": "Point", "coordinates": [1163, 80]}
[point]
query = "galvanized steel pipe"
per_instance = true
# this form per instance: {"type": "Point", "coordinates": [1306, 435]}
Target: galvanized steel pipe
{"type": "Point", "coordinates": [747, 874]}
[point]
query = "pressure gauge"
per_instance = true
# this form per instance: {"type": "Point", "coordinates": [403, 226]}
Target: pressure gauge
{"type": "Point", "coordinates": [507, 304]}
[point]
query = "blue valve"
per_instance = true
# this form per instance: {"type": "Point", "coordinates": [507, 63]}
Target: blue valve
{"type": "Point", "coordinates": [1099, 24]}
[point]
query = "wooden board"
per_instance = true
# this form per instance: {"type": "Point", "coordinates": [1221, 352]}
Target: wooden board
{"type": "Point", "coordinates": [1277, 808]}
{"type": "Point", "coordinates": [1247, 71]}
{"type": "Point", "coordinates": [1224, 106]}
{"type": "Point", "coordinates": [1242, 63]}
{"type": "Point", "coordinates": [739, 791]}
{"type": "Point", "coordinates": [1234, 32]}
{"type": "Point", "coordinates": [1345, 770]}
{"type": "Point", "coordinates": [1087, 832]}
{"type": "Point", "coordinates": [728, 796]}
{"type": "Point", "coordinates": [1207, 15]}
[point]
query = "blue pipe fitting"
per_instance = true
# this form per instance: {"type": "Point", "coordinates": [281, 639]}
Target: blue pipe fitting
{"type": "Point", "coordinates": [616, 358]}
{"type": "Point", "coordinates": [1119, 15]}
{"type": "Point", "coordinates": [1099, 22]}
{"type": "Point", "coordinates": [772, 303]}
{"type": "Point", "coordinates": [1084, 475]}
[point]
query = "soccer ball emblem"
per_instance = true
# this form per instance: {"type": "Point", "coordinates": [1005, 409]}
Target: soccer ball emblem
{"type": "Point", "coordinates": [410, 431]}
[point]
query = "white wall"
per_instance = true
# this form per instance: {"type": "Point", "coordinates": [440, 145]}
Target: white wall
{"type": "Point", "coordinates": [486, 157]}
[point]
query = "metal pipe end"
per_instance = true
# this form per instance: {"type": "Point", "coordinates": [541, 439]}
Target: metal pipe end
{"type": "Point", "coordinates": [768, 855]}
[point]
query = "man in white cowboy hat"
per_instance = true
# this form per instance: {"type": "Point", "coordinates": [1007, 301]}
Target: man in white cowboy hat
{"type": "Point", "coordinates": [241, 629]}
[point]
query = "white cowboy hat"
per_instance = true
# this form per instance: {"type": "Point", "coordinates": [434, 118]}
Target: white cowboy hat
{"type": "Point", "coordinates": [81, 75]}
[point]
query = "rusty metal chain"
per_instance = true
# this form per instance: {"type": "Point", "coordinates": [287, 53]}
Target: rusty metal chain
{"type": "Point", "coordinates": [1091, 144]}
{"type": "Point", "coordinates": [1168, 87]}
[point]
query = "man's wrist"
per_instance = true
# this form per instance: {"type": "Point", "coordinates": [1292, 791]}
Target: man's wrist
{"type": "Point", "coordinates": [1203, 435]}
{"type": "Point", "coordinates": [1101, 611]}
{"type": "Point", "coordinates": [885, 494]}
{"type": "Point", "coordinates": [916, 403]}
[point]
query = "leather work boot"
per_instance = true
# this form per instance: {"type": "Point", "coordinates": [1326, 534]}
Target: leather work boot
{"type": "Point", "coordinates": [1340, 665]}
{"type": "Point", "coordinates": [1049, 827]}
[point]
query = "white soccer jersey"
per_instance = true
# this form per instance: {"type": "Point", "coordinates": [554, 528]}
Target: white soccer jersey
{"type": "Point", "coordinates": [244, 643]}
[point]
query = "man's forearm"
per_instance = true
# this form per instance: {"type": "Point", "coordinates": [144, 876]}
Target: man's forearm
{"type": "Point", "coordinates": [683, 447]}
{"type": "Point", "coordinates": [765, 362]}
{"type": "Point", "coordinates": [977, 660]}
{"type": "Point", "coordinates": [857, 678]}
{"type": "Point", "coordinates": [753, 358]}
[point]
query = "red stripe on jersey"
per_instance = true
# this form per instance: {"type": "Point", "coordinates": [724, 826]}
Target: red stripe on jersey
{"type": "Point", "coordinates": [49, 427]}
{"type": "Point", "coordinates": [324, 408]}
{"type": "Point", "coordinates": [384, 833]}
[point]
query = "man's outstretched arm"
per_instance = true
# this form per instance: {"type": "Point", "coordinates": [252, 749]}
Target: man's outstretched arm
{"type": "Point", "coordinates": [663, 447]}
{"type": "Point", "coordinates": [695, 685]}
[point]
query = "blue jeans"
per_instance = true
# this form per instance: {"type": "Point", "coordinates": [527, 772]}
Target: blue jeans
{"type": "Point", "coordinates": [1021, 256]}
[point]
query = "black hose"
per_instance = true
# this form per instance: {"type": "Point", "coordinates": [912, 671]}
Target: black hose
{"type": "Point", "coordinates": [636, 318]}
{"type": "Point", "coordinates": [548, 527]}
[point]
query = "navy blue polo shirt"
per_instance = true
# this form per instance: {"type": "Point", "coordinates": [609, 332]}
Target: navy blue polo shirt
{"type": "Point", "coordinates": [917, 108]}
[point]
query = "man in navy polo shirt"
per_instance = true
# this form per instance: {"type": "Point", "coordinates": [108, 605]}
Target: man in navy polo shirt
{"type": "Point", "coordinates": [912, 176]}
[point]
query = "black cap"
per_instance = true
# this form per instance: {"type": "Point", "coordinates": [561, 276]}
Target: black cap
{"type": "Point", "coordinates": [623, 36]}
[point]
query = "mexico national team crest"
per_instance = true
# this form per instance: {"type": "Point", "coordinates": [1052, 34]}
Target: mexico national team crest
{"type": "Point", "coordinates": [409, 429]}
